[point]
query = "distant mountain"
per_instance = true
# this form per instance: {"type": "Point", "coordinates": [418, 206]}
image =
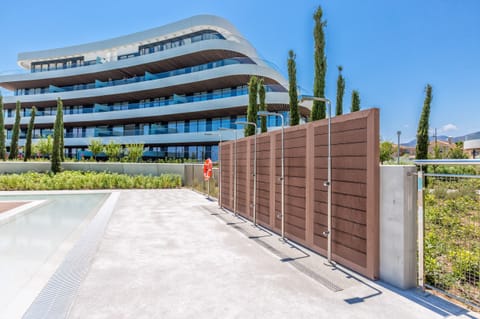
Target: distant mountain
{"type": "Point", "coordinates": [442, 138]}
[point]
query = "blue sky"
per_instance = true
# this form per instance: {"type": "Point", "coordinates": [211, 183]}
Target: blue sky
{"type": "Point", "coordinates": [389, 49]}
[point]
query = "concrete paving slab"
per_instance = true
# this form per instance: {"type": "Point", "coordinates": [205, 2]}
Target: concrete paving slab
{"type": "Point", "coordinates": [175, 254]}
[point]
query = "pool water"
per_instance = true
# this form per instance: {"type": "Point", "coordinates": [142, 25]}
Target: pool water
{"type": "Point", "coordinates": [28, 241]}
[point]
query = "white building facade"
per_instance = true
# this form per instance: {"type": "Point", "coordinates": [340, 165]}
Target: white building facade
{"type": "Point", "coordinates": [170, 88]}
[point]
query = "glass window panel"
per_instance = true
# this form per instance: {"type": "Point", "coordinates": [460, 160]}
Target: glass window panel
{"type": "Point", "coordinates": [90, 132]}
{"type": "Point", "coordinates": [216, 124]}
{"type": "Point", "coordinates": [193, 126]}
{"type": "Point", "coordinates": [202, 125]}
{"type": "Point", "coordinates": [225, 122]}
{"type": "Point", "coordinates": [180, 126]}
{"type": "Point", "coordinates": [172, 127]}
{"type": "Point", "coordinates": [117, 130]}
{"type": "Point", "coordinates": [227, 92]}
{"type": "Point", "coordinates": [217, 94]}
{"type": "Point", "coordinates": [214, 153]}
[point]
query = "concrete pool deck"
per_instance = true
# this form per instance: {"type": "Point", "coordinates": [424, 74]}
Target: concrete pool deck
{"type": "Point", "coordinates": [175, 254]}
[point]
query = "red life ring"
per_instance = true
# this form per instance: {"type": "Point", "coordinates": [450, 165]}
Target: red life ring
{"type": "Point", "coordinates": [207, 169]}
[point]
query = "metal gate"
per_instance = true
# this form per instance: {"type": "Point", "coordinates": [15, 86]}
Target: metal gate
{"type": "Point", "coordinates": [449, 228]}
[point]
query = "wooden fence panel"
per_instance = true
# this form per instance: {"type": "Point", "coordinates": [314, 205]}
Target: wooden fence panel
{"type": "Point", "coordinates": [355, 185]}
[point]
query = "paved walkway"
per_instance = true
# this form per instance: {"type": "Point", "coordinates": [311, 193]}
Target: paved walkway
{"type": "Point", "coordinates": [174, 254]}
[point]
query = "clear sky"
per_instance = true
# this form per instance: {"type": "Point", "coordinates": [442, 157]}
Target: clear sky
{"type": "Point", "coordinates": [389, 49]}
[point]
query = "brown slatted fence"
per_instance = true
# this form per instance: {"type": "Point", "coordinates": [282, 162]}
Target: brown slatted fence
{"type": "Point", "coordinates": [355, 185]}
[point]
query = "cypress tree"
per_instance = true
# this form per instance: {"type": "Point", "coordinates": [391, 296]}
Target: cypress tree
{"type": "Point", "coordinates": [2, 130]}
{"type": "Point", "coordinates": [340, 92]}
{"type": "Point", "coordinates": [422, 131]}
{"type": "Point", "coordinates": [262, 106]}
{"type": "Point", "coordinates": [252, 105]}
{"type": "Point", "coordinates": [28, 143]}
{"type": "Point", "coordinates": [292, 89]}
{"type": "Point", "coordinates": [56, 159]}
{"type": "Point", "coordinates": [61, 145]}
{"type": "Point", "coordinates": [355, 101]}
{"type": "Point", "coordinates": [15, 133]}
{"type": "Point", "coordinates": [318, 109]}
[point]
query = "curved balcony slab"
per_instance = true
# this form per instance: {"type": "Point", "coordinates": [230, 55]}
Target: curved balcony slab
{"type": "Point", "coordinates": [188, 25]}
{"type": "Point", "coordinates": [89, 73]}
{"type": "Point", "coordinates": [137, 90]}
{"type": "Point", "coordinates": [195, 109]}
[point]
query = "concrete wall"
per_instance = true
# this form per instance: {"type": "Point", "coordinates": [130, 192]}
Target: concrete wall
{"type": "Point", "coordinates": [121, 168]}
{"type": "Point", "coordinates": [398, 227]}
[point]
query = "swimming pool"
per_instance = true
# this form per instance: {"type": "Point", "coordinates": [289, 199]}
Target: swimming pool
{"type": "Point", "coordinates": [34, 242]}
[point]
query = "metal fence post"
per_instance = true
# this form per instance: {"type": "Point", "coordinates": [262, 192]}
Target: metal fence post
{"type": "Point", "coordinates": [420, 226]}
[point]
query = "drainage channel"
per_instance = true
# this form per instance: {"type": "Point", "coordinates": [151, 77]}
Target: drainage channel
{"type": "Point", "coordinates": [56, 298]}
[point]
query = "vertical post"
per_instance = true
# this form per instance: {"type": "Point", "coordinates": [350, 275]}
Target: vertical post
{"type": "Point", "coordinates": [254, 170]}
{"type": "Point", "coordinates": [193, 176]}
{"type": "Point", "coordinates": [234, 166]}
{"type": "Point", "coordinates": [235, 176]}
{"type": "Point", "coordinates": [220, 172]}
{"type": "Point", "coordinates": [329, 184]}
{"type": "Point", "coordinates": [283, 178]}
{"type": "Point", "coordinates": [398, 147]}
{"type": "Point", "coordinates": [420, 226]}
{"type": "Point", "coordinates": [255, 178]}
{"type": "Point", "coordinates": [208, 188]}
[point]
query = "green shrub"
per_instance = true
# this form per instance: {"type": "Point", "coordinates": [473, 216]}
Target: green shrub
{"type": "Point", "coordinates": [74, 180]}
{"type": "Point", "coordinates": [466, 265]}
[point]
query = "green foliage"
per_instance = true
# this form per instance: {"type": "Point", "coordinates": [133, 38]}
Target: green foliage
{"type": "Point", "coordinates": [15, 134]}
{"type": "Point", "coordinates": [452, 248]}
{"type": "Point", "coordinates": [28, 142]}
{"type": "Point", "coordinates": [318, 109]}
{"type": "Point", "coordinates": [386, 151]}
{"type": "Point", "coordinates": [113, 151]}
{"type": "Point", "coordinates": [71, 180]}
{"type": "Point", "coordinates": [457, 152]}
{"type": "Point", "coordinates": [135, 152]}
{"type": "Point", "coordinates": [292, 89]}
{"type": "Point", "coordinates": [466, 265]}
{"type": "Point", "coordinates": [2, 131]}
{"type": "Point", "coordinates": [44, 147]}
{"type": "Point", "coordinates": [355, 101]}
{"type": "Point", "coordinates": [96, 147]}
{"type": "Point", "coordinates": [61, 144]}
{"type": "Point", "coordinates": [436, 152]}
{"type": "Point", "coordinates": [423, 126]}
{"type": "Point", "coordinates": [57, 150]}
{"type": "Point", "coordinates": [262, 106]}
{"type": "Point", "coordinates": [340, 92]}
{"type": "Point", "coordinates": [452, 169]}
{"type": "Point", "coordinates": [252, 105]}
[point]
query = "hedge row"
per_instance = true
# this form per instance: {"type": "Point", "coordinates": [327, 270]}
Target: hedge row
{"type": "Point", "coordinates": [71, 180]}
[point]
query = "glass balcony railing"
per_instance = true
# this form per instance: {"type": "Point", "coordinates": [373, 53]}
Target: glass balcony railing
{"type": "Point", "coordinates": [175, 99]}
{"type": "Point", "coordinates": [199, 126]}
{"type": "Point", "coordinates": [147, 77]}
{"type": "Point", "coordinates": [61, 64]}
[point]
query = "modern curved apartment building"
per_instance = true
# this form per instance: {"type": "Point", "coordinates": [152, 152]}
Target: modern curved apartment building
{"type": "Point", "coordinates": [170, 88]}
